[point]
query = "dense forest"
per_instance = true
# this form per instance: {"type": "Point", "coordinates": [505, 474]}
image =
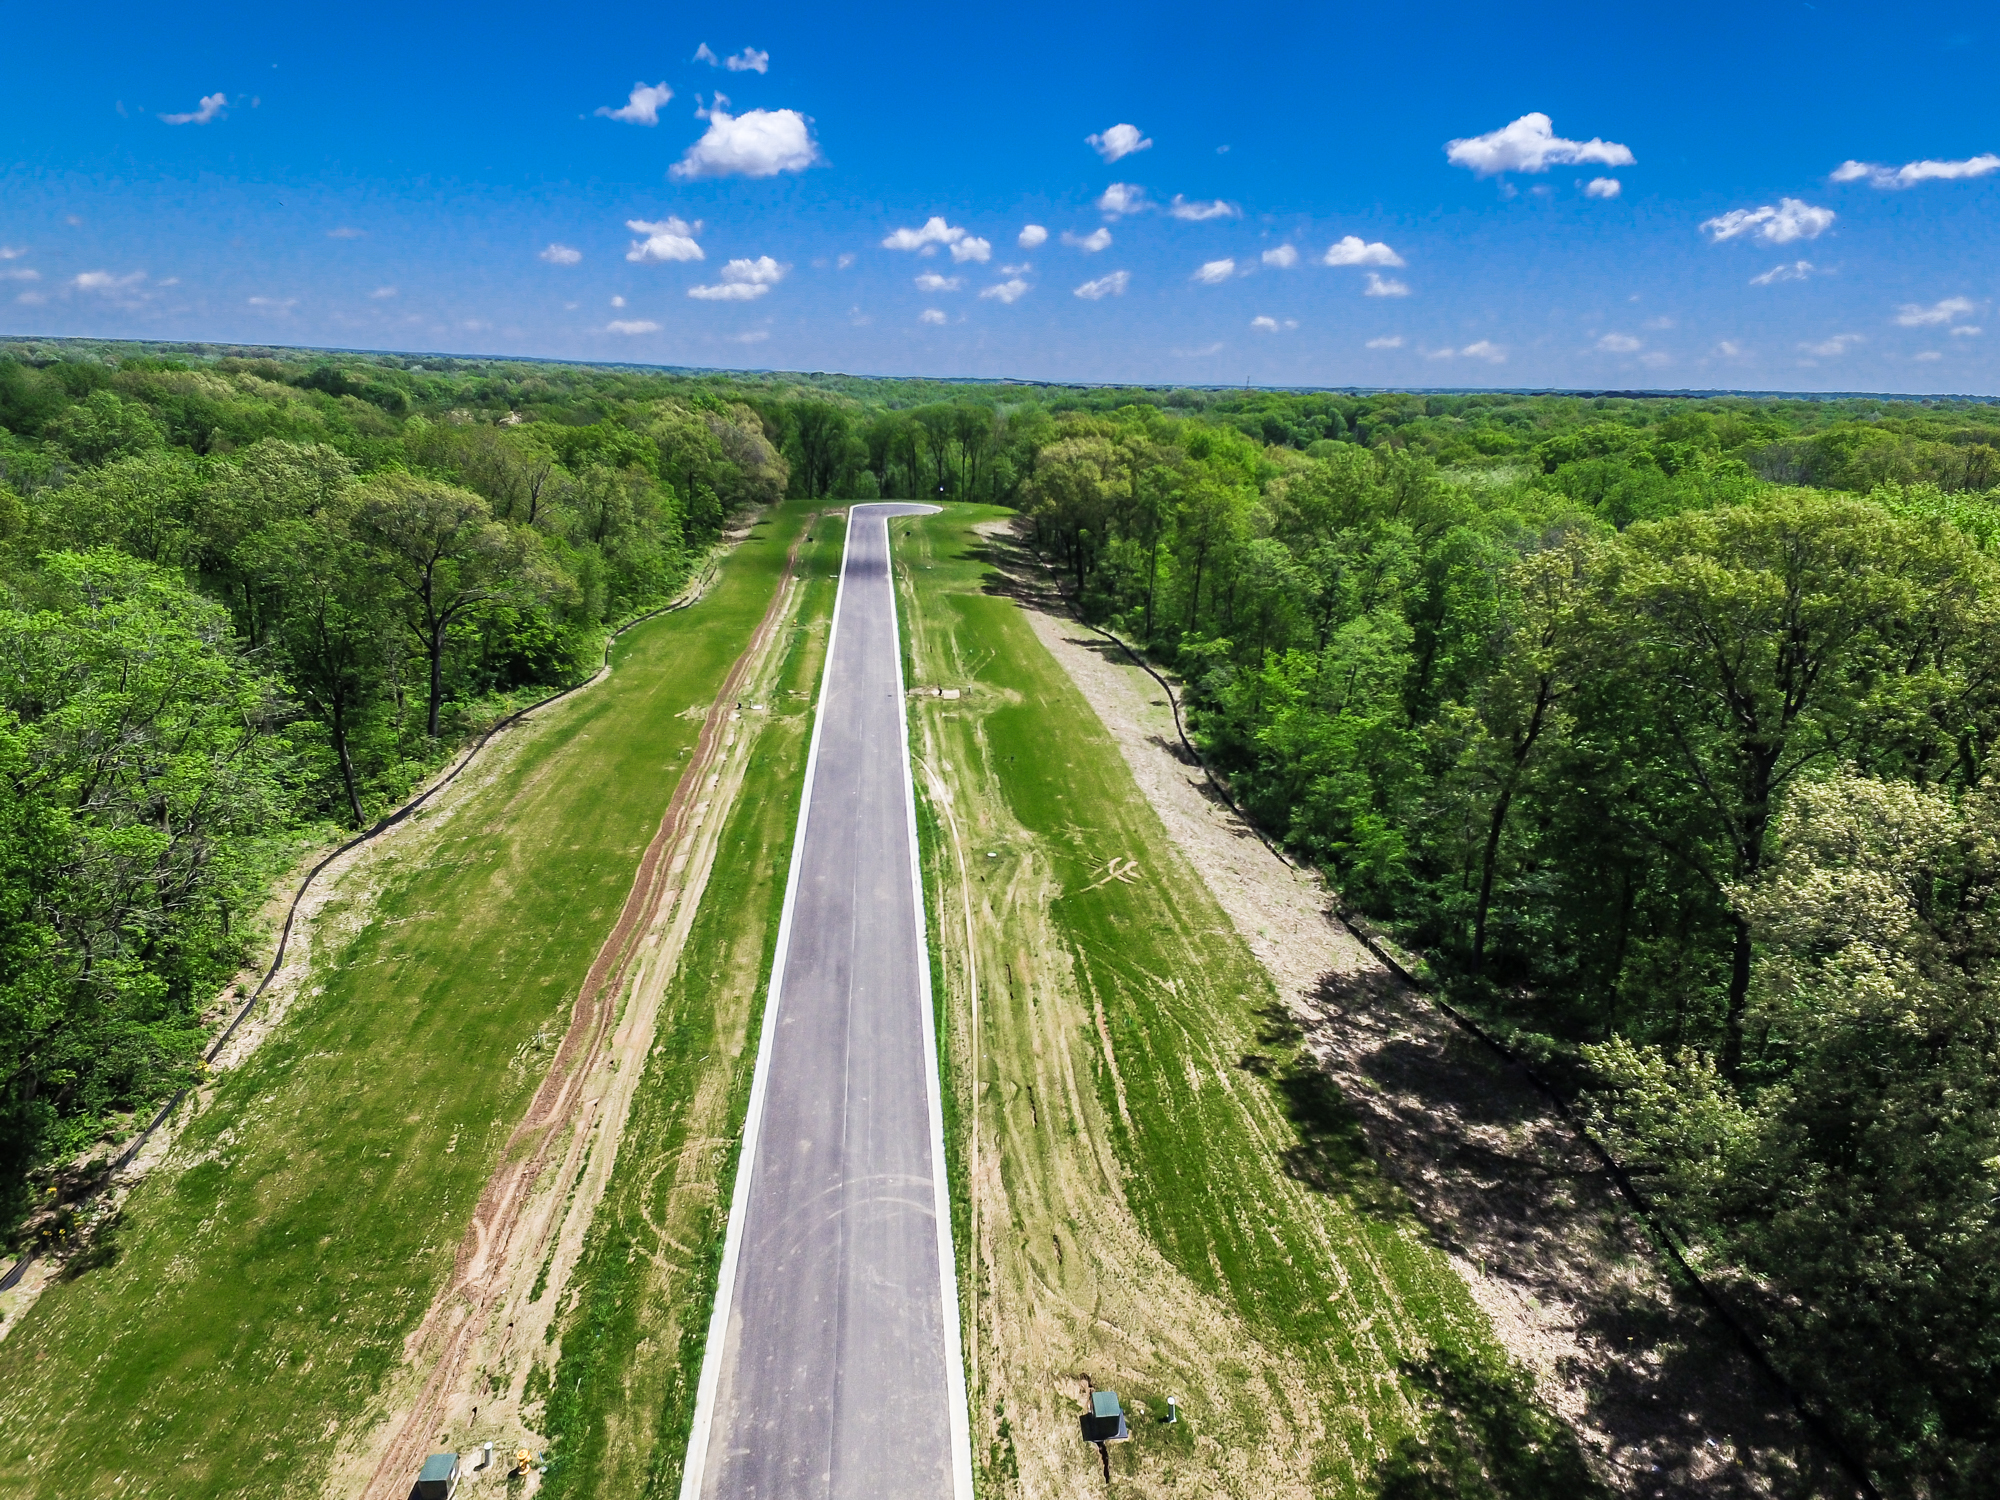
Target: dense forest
{"type": "Point", "coordinates": [1661, 725]}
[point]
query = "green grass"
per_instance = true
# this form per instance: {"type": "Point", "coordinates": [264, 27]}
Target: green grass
{"type": "Point", "coordinates": [252, 1302]}
{"type": "Point", "coordinates": [1238, 1160]}
{"type": "Point", "coordinates": [623, 1393]}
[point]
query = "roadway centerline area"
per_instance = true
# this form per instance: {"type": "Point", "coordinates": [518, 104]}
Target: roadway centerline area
{"type": "Point", "coordinates": [833, 1366]}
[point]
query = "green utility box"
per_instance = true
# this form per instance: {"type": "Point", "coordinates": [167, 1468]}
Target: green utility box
{"type": "Point", "coordinates": [1105, 1421]}
{"type": "Point", "coordinates": [439, 1478]}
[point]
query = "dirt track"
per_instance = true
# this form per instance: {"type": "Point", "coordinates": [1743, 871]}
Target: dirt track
{"type": "Point", "coordinates": [530, 1221]}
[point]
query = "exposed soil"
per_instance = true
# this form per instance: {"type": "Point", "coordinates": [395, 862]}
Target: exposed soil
{"type": "Point", "coordinates": [1658, 1393]}
{"type": "Point", "coordinates": [470, 1352]}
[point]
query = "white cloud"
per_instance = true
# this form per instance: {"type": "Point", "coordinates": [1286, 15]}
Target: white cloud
{"type": "Point", "coordinates": [756, 143]}
{"type": "Point", "coordinates": [972, 247]}
{"type": "Point", "coordinates": [843, 260]}
{"type": "Point", "coordinates": [754, 336]}
{"type": "Point", "coordinates": [705, 53]}
{"type": "Point", "coordinates": [631, 325]}
{"type": "Point", "coordinates": [1492, 353]}
{"type": "Point", "coordinates": [1272, 325]}
{"type": "Point", "coordinates": [1195, 213]}
{"type": "Point", "coordinates": [1379, 286]}
{"type": "Point", "coordinates": [642, 108]}
{"type": "Point", "coordinates": [1214, 272]}
{"type": "Point", "coordinates": [1006, 292]}
{"type": "Point", "coordinates": [749, 60]}
{"type": "Point", "coordinates": [1122, 198]}
{"type": "Point", "coordinates": [1618, 343]}
{"type": "Point", "coordinates": [930, 315]}
{"type": "Point", "coordinates": [212, 107]}
{"type": "Point", "coordinates": [1927, 355]}
{"type": "Point", "coordinates": [1530, 144]}
{"type": "Point", "coordinates": [924, 241]}
{"type": "Point", "coordinates": [1284, 257]}
{"type": "Point", "coordinates": [1912, 173]}
{"type": "Point", "coordinates": [12, 252]}
{"type": "Point", "coordinates": [930, 281]}
{"type": "Point", "coordinates": [1791, 220]}
{"type": "Point", "coordinates": [24, 274]}
{"type": "Point", "coordinates": [1352, 250]}
{"type": "Point", "coordinates": [742, 281]}
{"type": "Point", "coordinates": [671, 238]}
{"type": "Point", "coordinates": [1603, 187]}
{"type": "Point", "coordinates": [617, 301]}
{"type": "Point", "coordinates": [1105, 286]}
{"type": "Point", "coordinates": [382, 293]}
{"type": "Point", "coordinates": [1098, 239]}
{"type": "Point", "coordinates": [560, 255]}
{"type": "Point", "coordinates": [1026, 265]}
{"type": "Point", "coordinates": [1797, 270]}
{"type": "Point", "coordinates": [1950, 310]}
{"type": "Point", "coordinates": [1659, 323]}
{"type": "Point", "coordinates": [1388, 341]}
{"type": "Point", "coordinates": [1729, 349]}
{"type": "Point", "coordinates": [32, 299]}
{"type": "Point", "coordinates": [1119, 140]}
{"type": "Point", "coordinates": [1967, 331]}
{"type": "Point", "coordinates": [104, 281]}
{"type": "Point", "coordinates": [1830, 348]}
{"type": "Point", "coordinates": [274, 304]}
{"type": "Point", "coordinates": [346, 232]}
{"type": "Point", "coordinates": [1031, 236]}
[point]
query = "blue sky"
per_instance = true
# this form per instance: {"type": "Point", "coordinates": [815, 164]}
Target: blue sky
{"type": "Point", "coordinates": [406, 178]}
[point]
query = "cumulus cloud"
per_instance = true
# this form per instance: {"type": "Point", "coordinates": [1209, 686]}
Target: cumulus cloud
{"type": "Point", "coordinates": [25, 273]}
{"type": "Point", "coordinates": [1914, 172]}
{"type": "Point", "coordinates": [642, 107]}
{"type": "Point", "coordinates": [1031, 236]}
{"type": "Point", "coordinates": [1492, 353]}
{"type": "Point", "coordinates": [1195, 213]}
{"type": "Point", "coordinates": [1530, 144]}
{"type": "Point", "coordinates": [1122, 198]}
{"type": "Point", "coordinates": [1833, 347]}
{"type": "Point", "coordinates": [382, 293]}
{"type": "Point", "coordinates": [274, 304]}
{"type": "Point", "coordinates": [1729, 349]}
{"type": "Point", "coordinates": [212, 107]}
{"type": "Point", "coordinates": [1352, 250]}
{"type": "Point", "coordinates": [1098, 239]}
{"type": "Point", "coordinates": [1797, 270]}
{"type": "Point", "coordinates": [1950, 310]}
{"type": "Point", "coordinates": [1214, 272]}
{"type": "Point", "coordinates": [1792, 219]}
{"type": "Point", "coordinates": [1387, 341]}
{"type": "Point", "coordinates": [631, 325]}
{"type": "Point", "coordinates": [1618, 343]}
{"type": "Point", "coordinates": [1272, 325]}
{"type": "Point", "coordinates": [1105, 286]}
{"type": "Point", "coordinates": [12, 252]}
{"type": "Point", "coordinates": [1603, 187]}
{"type": "Point", "coordinates": [1284, 257]}
{"type": "Point", "coordinates": [756, 143]}
{"type": "Point", "coordinates": [671, 238]}
{"type": "Point", "coordinates": [1006, 292]}
{"type": "Point", "coordinates": [560, 255]}
{"type": "Point", "coordinates": [749, 60]}
{"type": "Point", "coordinates": [1118, 141]}
{"type": "Point", "coordinates": [742, 281]}
{"type": "Point", "coordinates": [1927, 355]}
{"type": "Point", "coordinates": [936, 232]}
{"type": "Point", "coordinates": [1966, 331]}
{"type": "Point", "coordinates": [1385, 286]}
{"type": "Point", "coordinates": [105, 282]}
{"type": "Point", "coordinates": [972, 247]}
{"type": "Point", "coordinates": [930, 281]}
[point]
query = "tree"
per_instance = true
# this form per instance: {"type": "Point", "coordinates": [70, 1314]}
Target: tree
{"type": "Point", "coordinates": [819, 429]}
{"type": "Point", "coordinates": [446, 558]}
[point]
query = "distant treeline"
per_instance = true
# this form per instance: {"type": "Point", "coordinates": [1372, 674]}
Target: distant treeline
{"type": "Point", "coordinates": [1663, 725]}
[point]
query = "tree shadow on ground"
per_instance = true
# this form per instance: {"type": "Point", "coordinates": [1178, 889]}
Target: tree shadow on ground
{"type": "Point", "coordinates": [1332, 1153]}
{"type": "Point", "coordinates": [1666, 1402]}
{"type": "Point", "coordinates": [1485, 1437]}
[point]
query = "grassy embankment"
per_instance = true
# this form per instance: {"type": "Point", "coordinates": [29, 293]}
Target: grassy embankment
{"type": "Point", "coordinates": [621, 1399]}
{"type": "Point", "coordinates": [1160, 1193]}
{"type": "Point", "coordinates": [258, 1290]}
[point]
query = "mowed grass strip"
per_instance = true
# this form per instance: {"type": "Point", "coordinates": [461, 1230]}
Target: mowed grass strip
{"type": "Point", "coordinates": [619, 1403]}
{"type": "Point", "coordinates": [260, 1285]}
{"type": "Point", "coordinates": [1173, 1201]}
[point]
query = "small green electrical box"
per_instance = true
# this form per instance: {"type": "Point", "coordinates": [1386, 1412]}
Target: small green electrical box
{"type": "Point", "coordinates": [1105, 1421]}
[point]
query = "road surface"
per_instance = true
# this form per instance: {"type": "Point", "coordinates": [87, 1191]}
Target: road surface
{"type": "Point", "coordinates": [833, 1369]}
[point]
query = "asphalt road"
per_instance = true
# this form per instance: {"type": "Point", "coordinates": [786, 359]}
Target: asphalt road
{"type": "Point", "coordinates": [837, 1374]}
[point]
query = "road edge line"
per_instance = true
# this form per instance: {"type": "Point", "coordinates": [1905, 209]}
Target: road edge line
{"type": "Point", "coordinates": [694, 1468]}
{"type": "Point", "coordinates": [954, 1333]}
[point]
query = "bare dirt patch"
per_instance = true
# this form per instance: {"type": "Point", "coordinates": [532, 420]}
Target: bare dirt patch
{"type": "Point", "coordinates": [1660, 1396]}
